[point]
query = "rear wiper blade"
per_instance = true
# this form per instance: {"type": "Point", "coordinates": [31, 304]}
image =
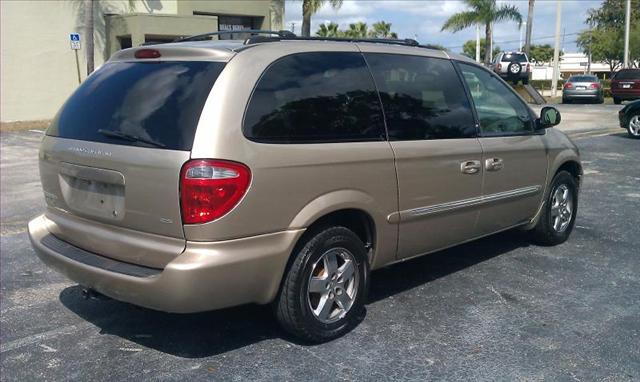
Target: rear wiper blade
{"type": "Point", "coordinates": [129, 137]}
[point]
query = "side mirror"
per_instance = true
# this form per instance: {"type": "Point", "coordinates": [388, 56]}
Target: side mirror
{"type": "Point", "coordinates": [549, 117]}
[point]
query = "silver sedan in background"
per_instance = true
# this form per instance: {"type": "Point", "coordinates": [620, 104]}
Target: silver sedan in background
{"type": "Point", "coordinates": [583, 87]}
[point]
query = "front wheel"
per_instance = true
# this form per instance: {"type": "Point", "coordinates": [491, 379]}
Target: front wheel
{"type": "Point", "coordinates": [633, 127]}
{"type": "Point", "coordinates": [324, 291]}
{"type": "Point", "coordinates": [559, 211]}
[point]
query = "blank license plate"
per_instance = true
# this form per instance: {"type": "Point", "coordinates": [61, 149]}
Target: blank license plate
{"type": "Point", "coordinates": [626, 86]}
{"type": "Point", "coordinates": [581, 87]}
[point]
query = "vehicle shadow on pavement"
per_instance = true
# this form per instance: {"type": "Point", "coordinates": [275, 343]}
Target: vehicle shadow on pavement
{"type": "Point", "coordinates": [206, 334]}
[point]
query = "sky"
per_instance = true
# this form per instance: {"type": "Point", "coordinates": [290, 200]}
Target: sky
{"type": "Point", "coordinates": [422, 20]}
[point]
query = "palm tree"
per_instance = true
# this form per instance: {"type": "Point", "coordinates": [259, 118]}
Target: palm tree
{"type": "Point", "coordinates": [309, 7]}
{"type": "Point", "coordinates": [483, 12]}
{"type": "Point", "coordinates": [357, 30]}
{"type": "Point", "coordinates": [382, 30]}
{"type": "Point", "coordinates": [328, 30]}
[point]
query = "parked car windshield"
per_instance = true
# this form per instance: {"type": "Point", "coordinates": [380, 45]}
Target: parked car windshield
{"type": "Point", "coordinates": [633, 74]}
{"type": "Point", "coordinates": [157, 102]}
{"type": "Point", "coordinates": [517, 57]}
{"type": "Point", "coordinates": [583, 79]}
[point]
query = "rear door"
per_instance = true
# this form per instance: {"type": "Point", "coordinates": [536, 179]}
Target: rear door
{"type": "Point", "coordinates": [432, 132]}
{"type": "Point", "coordinates": [111, 159]}
{"type": "Point", "coordinates": [514, 155]}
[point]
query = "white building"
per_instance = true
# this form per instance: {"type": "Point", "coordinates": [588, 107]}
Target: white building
{"type": "Point", "coordinates": [570, 63]}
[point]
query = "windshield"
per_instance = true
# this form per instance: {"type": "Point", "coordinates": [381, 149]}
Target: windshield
{"type": "Point", "coordinates": [159, 103]}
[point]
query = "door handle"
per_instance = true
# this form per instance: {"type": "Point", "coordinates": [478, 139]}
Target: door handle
{"type": "Point", "coordinates": [470, 167]}
{"type": "Point", "coordinates": [493, 164]}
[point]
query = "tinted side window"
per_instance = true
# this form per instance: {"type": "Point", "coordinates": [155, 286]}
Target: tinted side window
{"type": "Point", "coordinates": [422, 97]}
{"type": "Point", "coordinates": [499, 110]}
{"type": "Point", "coordinates": [315, 97]}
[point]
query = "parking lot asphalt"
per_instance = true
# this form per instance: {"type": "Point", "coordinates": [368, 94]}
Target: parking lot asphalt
{"type": "Point", "coordinates": [495, 309]}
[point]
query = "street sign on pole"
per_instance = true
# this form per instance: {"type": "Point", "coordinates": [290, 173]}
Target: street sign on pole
{"type": "Point", "coordinates": [74, 38]}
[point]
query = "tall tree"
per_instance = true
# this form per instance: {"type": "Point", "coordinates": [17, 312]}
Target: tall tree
{"type": "Point", "coordinates": [527, 40]}
{"type": "Point", "coordinates": [483, 12]}
{"type": "Point", "coordinates": [309, 8]}
{"type": "Point", "coordinates": [469, 48]}
{"type": "Point", "coordinates": [329, 30]}
{"type": "Point", "coordinates": [382, 30]}
{"type": "Point", "coordinates": [357, 30]}
{"type": "Point", "coordinates": [88, 22]}
{"type": "Point", "coordinates": [542, 53]}
{"type": "Point", "coordinates": [604, 39]}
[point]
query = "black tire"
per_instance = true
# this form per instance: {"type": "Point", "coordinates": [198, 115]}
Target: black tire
{"type": "Point", "coordinates": [292, 305]}
{"type": "Point", "coordinates": [525, 81]}
{"type": "Point", "coordinates": [632, 135]}
{"type": "Point", "coordinates": [544, 232]}
{"type": "Point", "coordinates": [601, 100]}
{"type": "Point", "coordinates": [565, 100]}
{"type": "Point", "coordinates": [617, 100]}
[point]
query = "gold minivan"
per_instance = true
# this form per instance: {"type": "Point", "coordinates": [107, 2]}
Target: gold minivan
{"type": "Point", "coordinates": [204, 174]}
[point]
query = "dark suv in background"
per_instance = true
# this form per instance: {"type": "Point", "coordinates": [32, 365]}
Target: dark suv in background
{"type": "Point", "coordinates": [625, 85]}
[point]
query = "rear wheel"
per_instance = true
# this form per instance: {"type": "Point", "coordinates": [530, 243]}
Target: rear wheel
{"type": "Point", "coordinates": [633, 127]}
{"type": "Point", "coordinates": [559, 212]}
{"type": "Point", "coordinates": [565, 100]}
{"type": "Point", "coordinates": [617, 100]}
{"type": "Point", "coordinates": [324, 291]}
{"type": "Point", "coordinates": [525, 81]}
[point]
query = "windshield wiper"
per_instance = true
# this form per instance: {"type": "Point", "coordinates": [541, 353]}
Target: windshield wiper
{"type": "Point", "coordinates": [129, 137]}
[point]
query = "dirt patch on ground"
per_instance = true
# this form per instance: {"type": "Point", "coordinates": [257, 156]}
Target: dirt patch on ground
{"type": "Point", "coordinates": [24, 125]}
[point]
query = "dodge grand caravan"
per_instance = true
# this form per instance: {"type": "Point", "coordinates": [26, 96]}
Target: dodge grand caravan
{"type": "Point", "coordinates": [199, 175]}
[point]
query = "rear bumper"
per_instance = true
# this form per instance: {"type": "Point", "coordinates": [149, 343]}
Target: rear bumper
{"type": "Point", "coordinates": [582, 94]}
{"type": "Point", "coordinates": [625, 94]}
{"type": "Point", "coordinates": [205, 276]}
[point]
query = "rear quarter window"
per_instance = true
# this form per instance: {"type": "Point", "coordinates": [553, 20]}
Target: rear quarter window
{"type": "Point", "coordinates": [155, 101]}
{"type": "Point", "coordinates": [314, 98]}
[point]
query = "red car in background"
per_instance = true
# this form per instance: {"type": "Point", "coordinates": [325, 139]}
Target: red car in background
{"type": "Point", "coordinates": [625, 85]}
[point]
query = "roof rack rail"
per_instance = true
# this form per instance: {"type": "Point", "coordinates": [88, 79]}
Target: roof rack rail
{"type": "Point", "coordinates": [291, 36]}
{"type": "Point", "coordinates": [198, 37]}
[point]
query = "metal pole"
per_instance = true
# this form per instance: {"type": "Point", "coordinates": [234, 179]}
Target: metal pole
{"type": "Point", "coordinates": [556, 50]}
{"type": "Point", "coordinates": [627, 26]}
{"type": "Point", "coordinates": [478, 43]}
{"type": "Point", "coordinates": [78, 66]}
{"type": "Point", "coordinates": [527, 39]}
{"type": "Point", "coordinates": [589, 57]}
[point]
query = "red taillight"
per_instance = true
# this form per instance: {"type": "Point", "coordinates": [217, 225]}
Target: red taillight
{"type": "Point", "coordinates": [528, 68]}
{"type": "Point", "coordinates": [568, 85]}
{"type": "Point", "coordinates": [147, 53]}
{"type": "Point", "coordinates": [594, 86]}
{"type": "Point", "coordinates": [211, 188]}
{"type": "Point", "coordinates": [499, 66]}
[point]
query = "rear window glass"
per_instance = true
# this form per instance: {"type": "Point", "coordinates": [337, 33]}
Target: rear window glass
{"type": "Point", "coordinates": [157, 102]}
{"type": "Point", "coordinates": [628, 75]}
{"type": "Point", "coordinates": [517, 57]}
{"type": "Point", "coordinates": [315, 98]}
{"type": "Point", "coordinates": [583, 79]}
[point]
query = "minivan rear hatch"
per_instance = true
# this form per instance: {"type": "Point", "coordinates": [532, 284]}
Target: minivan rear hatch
{"type": "Point", "coordinates": [111, 159]}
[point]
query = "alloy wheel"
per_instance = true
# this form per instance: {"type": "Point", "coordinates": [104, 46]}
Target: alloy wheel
{"type": "Point", "coordinates": [333, 285]}
{"type": "Point", "coordinates": [634, 126]}
{"type": "Point", "coordinates": [561, 208]}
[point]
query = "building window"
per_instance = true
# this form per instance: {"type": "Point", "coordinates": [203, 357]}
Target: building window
{"type": "Point", "coordinates": [125, 42]}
